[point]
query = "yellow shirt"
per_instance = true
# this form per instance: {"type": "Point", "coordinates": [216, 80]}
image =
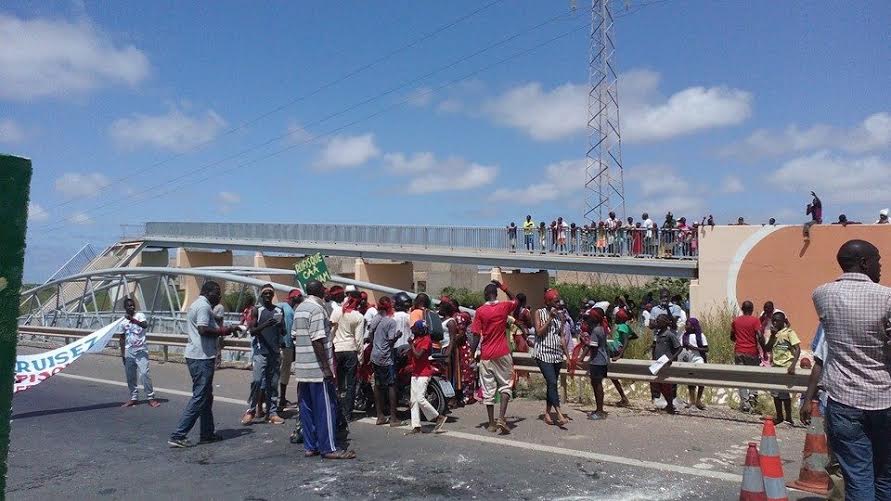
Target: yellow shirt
{"type": "Point", "coordinates": [528, 227]}
{"type": "Point", "coordinates": [782, 348]}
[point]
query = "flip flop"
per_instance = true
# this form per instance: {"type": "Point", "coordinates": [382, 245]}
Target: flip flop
{"type": "Point", "coordinates": [340, 455]}
{"type": "Point", "coordinates": [502, 427]}
{"type": "Point", "coordinates": [548, 420]}
{"type": "Point", "coordinates": [309, 454]}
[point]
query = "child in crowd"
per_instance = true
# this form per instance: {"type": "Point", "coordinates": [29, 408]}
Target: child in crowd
{"type": "Point", "coordinates": [666, 342]}
{"type": "Point", "coordinates": [621, 336]}
{"type": "Point", "coordinates": [422, 370]}
{"type": "Point", "coordinates": [785, 348]}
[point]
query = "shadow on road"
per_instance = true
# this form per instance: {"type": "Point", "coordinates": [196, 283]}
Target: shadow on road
{"type": "Point", "coordinates": [50, 412]}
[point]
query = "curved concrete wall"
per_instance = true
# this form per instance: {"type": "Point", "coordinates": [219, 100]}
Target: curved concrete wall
{"type": "Point", "coordinates": [762, 263]}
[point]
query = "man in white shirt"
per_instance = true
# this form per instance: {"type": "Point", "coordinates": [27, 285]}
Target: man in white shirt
{"type": "Point", "coordinates": [134, 353]}
{"type": "Point", "coordinates": [349, 335]}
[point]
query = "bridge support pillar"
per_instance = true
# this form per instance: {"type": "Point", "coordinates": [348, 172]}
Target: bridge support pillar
{"type": "Point", "coordinates": [532, 284]}
{"type": "Point", "coordinates": [150, 300]}
{"type": "Point", "coordinates": [281, 262]}
{"type": "Point", "coordinates": [396, 275]}
{"type": "Point", "coordinates": [187, 258]}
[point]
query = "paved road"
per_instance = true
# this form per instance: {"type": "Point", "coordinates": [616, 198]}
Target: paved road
{"type": "Point", "coordinates": [70, 438]}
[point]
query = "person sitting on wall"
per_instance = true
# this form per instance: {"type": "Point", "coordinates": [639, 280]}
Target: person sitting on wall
{"type": "Point", "coordinates": [815, 210]}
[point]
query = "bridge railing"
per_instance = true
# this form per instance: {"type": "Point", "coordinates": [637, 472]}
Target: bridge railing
{"type": "Point", "coordinates": [584, 241]}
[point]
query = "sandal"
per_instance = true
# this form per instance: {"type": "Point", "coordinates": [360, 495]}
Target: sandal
{"type": "Point", "coordinates": [413, 431]}
{"type": "Point", "coordinates": [623, 403]}
{"type": "Point", "coordinates": [502, 427]}
{"type": "Point", "coordinates": [340, 455]}
{"type": "Point", "coordinates": [382, 421]}
{"type": "Point", "coordinates": [309, 454]}
{"type": "Point", "coordinates": [548, 420]}
{"type": "Point", "coordinates": [562, 422]}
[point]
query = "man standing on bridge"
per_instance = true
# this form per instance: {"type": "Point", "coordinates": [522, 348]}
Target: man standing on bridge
{"type": "Point", "coordinates": [528, 237]}
{"type": "Point", "coordinates": [201, 354]}
{"type": "Point", "coordinates": [855, 312]}
{"type": "Point", "coordinates": [314, 354]}
{"type": "Point", "coordinates": [496, 364]}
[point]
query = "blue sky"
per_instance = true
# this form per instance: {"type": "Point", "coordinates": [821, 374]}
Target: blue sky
{"type": "Point", "coordinates": [227, 112]}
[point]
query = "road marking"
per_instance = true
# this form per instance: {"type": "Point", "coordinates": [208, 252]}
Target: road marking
{"type": "Point", "coordinates": [594, 456]}
{"type": "Point", "coordinates": [606, 458]}
{"type": "Point", "coordinates": [157, 390]}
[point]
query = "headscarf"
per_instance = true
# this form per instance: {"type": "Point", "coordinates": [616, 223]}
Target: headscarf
{"type": "Point", "coordinates": [693, 326]}
{"type": "Point", "coordinates": [551, 295]}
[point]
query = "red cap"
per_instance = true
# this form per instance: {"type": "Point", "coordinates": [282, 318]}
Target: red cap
{"type": "Point", "coordinates": [551, 295]}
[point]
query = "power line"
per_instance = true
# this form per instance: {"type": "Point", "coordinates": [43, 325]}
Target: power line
{"type": "Point", "coordinates": [296, 100]}
{"type": "Point", "coordinates": [156, 196]}
{"type": "Point", "coordinates": [343, 111]}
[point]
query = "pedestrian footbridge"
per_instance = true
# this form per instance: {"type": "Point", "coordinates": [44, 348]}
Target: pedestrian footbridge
{"type": "Point", "coordinates": [481, 246]}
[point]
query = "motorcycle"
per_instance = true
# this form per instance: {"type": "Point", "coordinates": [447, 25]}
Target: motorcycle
{"type": "Point", "coordinates": [439, 391]}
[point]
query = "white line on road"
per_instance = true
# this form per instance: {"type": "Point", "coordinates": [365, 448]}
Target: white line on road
{"type": "Point", "coordinates": [594, 456]}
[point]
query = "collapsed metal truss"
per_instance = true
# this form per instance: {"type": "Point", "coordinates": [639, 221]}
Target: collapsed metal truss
{"type": "Point", "coordinates": [153, 288]}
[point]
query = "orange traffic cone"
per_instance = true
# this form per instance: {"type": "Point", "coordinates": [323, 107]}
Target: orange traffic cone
{"type": "Point", "coordinates": [813, 476]}
{"type": "Point", "coordinates": [752, 488]}
{"type": "Point", "coordinates": [771, 464]}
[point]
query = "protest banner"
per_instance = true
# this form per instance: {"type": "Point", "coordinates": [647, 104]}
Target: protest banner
{"type": "Point", "coordinates": [31, 370]}
{"type": "Point", "coordinates": [311, 268]}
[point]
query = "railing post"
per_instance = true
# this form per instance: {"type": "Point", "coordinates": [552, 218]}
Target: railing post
{"type": "Point", "coordinates": [165, 350]}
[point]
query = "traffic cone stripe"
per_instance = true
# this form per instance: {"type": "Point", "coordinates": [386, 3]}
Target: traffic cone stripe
{"type": "Point", "coordinates": [815, 461]}
{"type": "Point", "coordinates": [775, 488]}
{"type": "Point", "coordinates": [770, 448]}
{"type": "Point", "coordinates": [752, 481]}
{"type": "Point", "coordinates": [813, 476]}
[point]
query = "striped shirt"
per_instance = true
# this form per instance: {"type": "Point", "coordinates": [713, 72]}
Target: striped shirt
{"type": "Point", "coordinates": [548, 349]}
{"type": "Point", "coordinates": [856, 314]}
{"type": "Point", "coordinates": [311, 324]}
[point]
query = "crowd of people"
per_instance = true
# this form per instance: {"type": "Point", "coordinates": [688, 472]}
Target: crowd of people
{"type": "Point", "coordinates": [673, 238]}
{"type": "Point", "coordinates": [322, 333]}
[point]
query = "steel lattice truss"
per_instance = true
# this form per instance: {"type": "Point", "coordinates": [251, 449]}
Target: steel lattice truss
{"type": "Point", "coordinates": [604, 183]}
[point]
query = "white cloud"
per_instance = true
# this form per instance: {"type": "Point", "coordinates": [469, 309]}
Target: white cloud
{"type": "Point", "coordinates": [173, 131]}
{"type": "Point", "coordinates": [645, 116]}
{"type": "Point", "coordinates": [430, 174]}
{"type": "Point", "coordinates": [418, 162]}
{"type": "Point", "coordinates": [732, 184]}
{"type": "Point", "coordinates": [347, 151]}
{"type": "Point", "coordinates": [47, 57]}
{"type": "Point", "coordinates": [873, 133]}
{"type": "Point", "coordinates": [544, 115]}
{"type": "Point", "coordinates": [36, 213]}
{"type": "Point", "coordinates": [78, 185]}
{"type": "Point", "coordinates": [661, 189]}
{"type": "Point", "coordinates": [11, 132]}
{"type": "Point", "coordinates": [453, 174]}
{"type": "Point", "coordinates": [450, 105]}
{"type": "Point", "coordinates": [863, 180]}
{"type": "Point", "coordinates": [80, 218]}
{"type": "Point", "coordinates": [296, 134]}
{"type": "Point", "coordinates": [421, 97]}
{"type": "Point", "coordinates": [227, 201]}
{"type": "Point", "coordinates": [229, 197]}
{"type": "Point", "coordinates": [561, 178]}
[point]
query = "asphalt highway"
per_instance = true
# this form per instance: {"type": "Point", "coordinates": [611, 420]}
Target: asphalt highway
{"type": "Point", "coordinates": [71, 438]}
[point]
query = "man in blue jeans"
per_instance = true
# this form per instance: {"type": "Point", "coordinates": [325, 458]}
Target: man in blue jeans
{"type": "Point", "coordinates": [201, 354]}
{"type": "Point", "coordinates": [855, 312]}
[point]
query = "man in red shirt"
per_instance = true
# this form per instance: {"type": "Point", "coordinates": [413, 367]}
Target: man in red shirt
{"type": "Point", "coordinates": [496, 365]}
{"type": "Point", "coordinates": [747, 334]}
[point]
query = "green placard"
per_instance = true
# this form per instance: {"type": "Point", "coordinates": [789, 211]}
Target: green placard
{"type": "Point", "coordinates": [15, 180]}
{"type": "Point", "coordinates": [311, 268]}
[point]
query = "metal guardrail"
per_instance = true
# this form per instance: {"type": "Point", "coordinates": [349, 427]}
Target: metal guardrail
{"type": "Point", "coordinates": [717, 375]}
{"type": "Point", "coordinates": [584, 241]}
{"type": "Point", "coordinates": [163, 340]}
